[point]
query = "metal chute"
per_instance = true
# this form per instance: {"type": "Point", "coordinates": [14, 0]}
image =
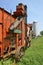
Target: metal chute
{"type": "Point", "coordinates": [15, 23]}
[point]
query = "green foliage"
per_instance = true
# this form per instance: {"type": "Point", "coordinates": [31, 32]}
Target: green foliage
{"type": "Point", "coordinates": [41, 32]}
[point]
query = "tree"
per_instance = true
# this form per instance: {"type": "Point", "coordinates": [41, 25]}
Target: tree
{"type": "Point", "coordinates": [41, 32]}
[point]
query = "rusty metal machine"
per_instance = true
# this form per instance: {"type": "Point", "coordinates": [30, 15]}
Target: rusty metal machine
{"type": "Point", "coordinates": [13, 39]}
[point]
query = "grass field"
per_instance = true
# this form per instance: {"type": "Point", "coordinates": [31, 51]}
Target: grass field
{"type": "Point", "coordinates": [33, 55]}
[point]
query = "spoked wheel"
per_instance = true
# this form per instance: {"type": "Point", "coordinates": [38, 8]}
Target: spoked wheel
{"type": "Point", "coordinates": [27, 43]}
{"type": "Point", "coordinates": [19, 53]}
{"type": "Point", "coordinates": [22, 51]}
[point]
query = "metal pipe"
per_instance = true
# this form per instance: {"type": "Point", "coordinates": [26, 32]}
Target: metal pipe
{"type": "Point", "coordinates": [23, 32]}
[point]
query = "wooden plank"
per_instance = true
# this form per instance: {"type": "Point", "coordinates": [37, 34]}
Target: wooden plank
{"type": "Point", "coordinates": [8, 54]}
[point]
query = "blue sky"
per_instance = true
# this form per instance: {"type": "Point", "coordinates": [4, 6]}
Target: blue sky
{"type": "Point", "coordinates": [34, 9]}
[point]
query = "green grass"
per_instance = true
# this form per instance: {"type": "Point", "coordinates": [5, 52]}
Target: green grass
{"type": "Point", "coordinates": [6, 62]}
{"type": "Point", "coordinates": [34, 54]}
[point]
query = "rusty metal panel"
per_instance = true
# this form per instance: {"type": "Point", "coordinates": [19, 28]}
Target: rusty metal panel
{"type": "Point", "coordinates": [0, 33]}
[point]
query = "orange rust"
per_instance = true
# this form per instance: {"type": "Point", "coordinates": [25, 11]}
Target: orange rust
{"type": "Point", "coordinates": [6, 19]}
